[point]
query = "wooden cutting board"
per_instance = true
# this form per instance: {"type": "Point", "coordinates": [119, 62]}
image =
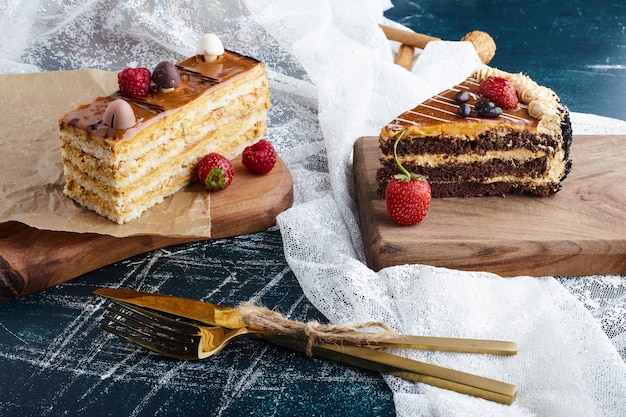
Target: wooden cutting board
{"type": "Point", "coordinates": [32, 260]}
{"type": "Point", "coordinates": [581, 230]}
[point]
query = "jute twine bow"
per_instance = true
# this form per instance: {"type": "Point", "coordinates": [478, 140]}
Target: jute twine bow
{"type": "Point", "coordinates": [313, 332]}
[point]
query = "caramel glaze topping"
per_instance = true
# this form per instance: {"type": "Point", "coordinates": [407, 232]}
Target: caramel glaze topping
{"type": "Point", "coordinates": [441, 110]}
{"type": "Point", "coordinates": [197, 78]}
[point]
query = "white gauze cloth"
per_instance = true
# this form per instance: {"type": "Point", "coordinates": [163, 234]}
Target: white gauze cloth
{"type": "Point", "coordinates": [332, 81]}
{"type": "Point", "coordinates": [566, 365]}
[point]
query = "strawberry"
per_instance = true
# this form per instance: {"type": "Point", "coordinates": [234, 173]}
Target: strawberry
{"type": "Point", "coordinates": [499, 91]}
{"type": "Point", "coordinates": [407, 194]}
{"type": "Point", "coordinates": [259, 157]}
{"type": "Point", "coordinates": [134, 81]}
{"type": "Point", "coordinates": [215, 172]}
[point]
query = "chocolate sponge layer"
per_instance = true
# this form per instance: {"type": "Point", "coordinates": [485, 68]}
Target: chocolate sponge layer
{"type": "Point", "coordinates": [480, 178]}
{"type": "Point", "coordinates": [473, 179]}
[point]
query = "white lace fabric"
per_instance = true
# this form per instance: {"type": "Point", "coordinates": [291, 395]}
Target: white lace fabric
{"type": "Point", "coordinates": [332, 81]}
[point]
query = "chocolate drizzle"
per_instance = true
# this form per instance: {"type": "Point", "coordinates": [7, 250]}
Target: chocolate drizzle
{"type": "Point", "coordinates": [197, 74]}
{"type": "Point", "coordinates": [144, 104]}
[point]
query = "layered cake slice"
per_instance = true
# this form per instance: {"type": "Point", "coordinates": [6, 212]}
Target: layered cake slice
{"type": "Point", "coordinates": [493, 134]}
{"type": "Point", "coordinates": [126, 152]}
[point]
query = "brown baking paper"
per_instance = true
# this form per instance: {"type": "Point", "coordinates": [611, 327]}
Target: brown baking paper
{"type": "Point", "coordinates": [32, 180]}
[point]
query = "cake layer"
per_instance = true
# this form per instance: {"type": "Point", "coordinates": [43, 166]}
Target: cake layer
{"type": "Point", "coordinates": [184, 164]}
{"type": "Point", "coordinates": [217, 130]}
{"type": "Point", "coordinates": [93, 200]}
{"type": "Point", "coordinates": [437, 116]}
{"type": "Point", "coordinates": [196, 100]}
{"type": "Point", "coordinates": [467, 189]}
{"type": "Point", "coordinates": [501, 140]}
{"type": "Point", "coordinates": [489, 177]}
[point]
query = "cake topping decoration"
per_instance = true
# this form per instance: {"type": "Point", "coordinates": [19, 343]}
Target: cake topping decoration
{"type": "Point", "coordinates": [119, 115]}
{"type": "Point", "coordinates": [260, 157]}
{"type": "Point", "coordinates": [487, 109]}
{"type": "Point", "coordinates": [215, 172]}
{"type": "Point", "coordinates": [500, 91]}
{"type": "Point", "coordinates": [134, 82]}
{"type": "Point", "coordinates": [530, 93]}
{"type": "Point", "coordinates": [483, 108]}
{"type": "Point", "coordinates": [166, 76]}
{"type": "Point", "coordinates": [464, 110]}
{"type": "Point", "coordinates": [210, 47]}
{"type": "Point", "coordinates": [407, 195]}
{"type": "Point", "coordinates": [462, 96]}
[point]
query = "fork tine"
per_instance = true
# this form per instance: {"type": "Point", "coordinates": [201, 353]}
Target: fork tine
{"type": "Point", "coordinates": [177, 325]}
{"type": "Point", "coordinates": [140, 324]}
{"type": "Point", "coordinates": [170, 353]}
{"type": "Point", "coordinates": [147, 328]}
{"type": "Point", "coordinates": [144, 331]}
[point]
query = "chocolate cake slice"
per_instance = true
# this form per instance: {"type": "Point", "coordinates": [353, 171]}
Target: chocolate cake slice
{"type": "Point", "coordinates": [467, 152]}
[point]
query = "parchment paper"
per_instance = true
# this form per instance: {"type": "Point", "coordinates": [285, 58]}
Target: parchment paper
{"type": "Point", "coordinates": [32, 180]}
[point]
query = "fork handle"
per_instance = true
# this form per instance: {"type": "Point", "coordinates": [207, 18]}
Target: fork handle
{"type": "Point", "coordinates": [406, 368]}
{"type": "Point", "coordinates": [451, 344]}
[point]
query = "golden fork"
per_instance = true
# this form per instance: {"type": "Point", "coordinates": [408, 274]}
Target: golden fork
{"type": "Point", "coordinates": [184, 340]}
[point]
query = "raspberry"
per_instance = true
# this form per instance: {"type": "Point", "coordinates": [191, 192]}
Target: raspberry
{"type": "Point", "coordinates": [500, 91]}
{"type": "Point", "coordinates": [259, 157]}
{"type": "Point", "coordinates": [134, 81]}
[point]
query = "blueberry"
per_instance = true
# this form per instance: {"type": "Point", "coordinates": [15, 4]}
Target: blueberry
{"type": "Point", "coordinates": [490, 112]}
{"type": "Point", "coordinates": [462, 97]}
{"type": "Point", "coordinates": [484, 105]}
{"type": "Point", "coordinates": [465, 110]}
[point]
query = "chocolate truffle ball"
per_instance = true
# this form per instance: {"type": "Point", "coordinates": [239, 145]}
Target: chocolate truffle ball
{"type": "Point", "coordinates": [166, 75]}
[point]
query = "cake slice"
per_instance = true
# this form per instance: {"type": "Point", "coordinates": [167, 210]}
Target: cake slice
{"type": "Point", "coordinates": [466, 152]}
{"type": "Point", "coordinates": [122, 154]}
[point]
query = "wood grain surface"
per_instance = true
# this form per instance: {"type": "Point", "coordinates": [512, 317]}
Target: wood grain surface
{"type": "Point", "coordinates": [32, 260]}
{"type": "Point", "coordinates": [581, 230]}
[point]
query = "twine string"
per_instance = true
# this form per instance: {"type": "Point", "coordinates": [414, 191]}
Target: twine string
{"type": "Point", "coordinates": [314, 333]}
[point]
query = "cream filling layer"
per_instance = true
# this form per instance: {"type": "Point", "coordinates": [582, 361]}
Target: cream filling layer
{"type": "Point", "coordinates": [158, 179]}
{"type": "Point", "coordinates": [555, 170]}
{"type": "Point", "coordinates": [468, 131]}
{"type": "Point", "coordinates": [213, 137]}
{"type": "Point", "coordinates": [435, 160]}
{"type": "Point", "coordinates": [90, 197]}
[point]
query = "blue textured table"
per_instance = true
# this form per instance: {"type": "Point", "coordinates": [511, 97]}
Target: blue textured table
{"type": "Point", "coordinates": [54, 360]}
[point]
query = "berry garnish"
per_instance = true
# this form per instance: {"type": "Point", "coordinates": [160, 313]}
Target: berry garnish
{"type": "Point", "coordinates": [462, 97]}
{"type": "Point", "coordinates": [407, 194]}
{"type": "Point", "coordinates": [464, 110]}
{"type": "Point", "coordinates": [500, 91]}
{"type": "Point", "coordinates": [166, 76]}
{"type": "Point", "coordinates": [134, 81]}
{"type": "Point", "coordinates": [215, 172]}
{"type": "Point", "coordinates": [487, 109]}
{"type": "Point", "coordinates": [259, 157]}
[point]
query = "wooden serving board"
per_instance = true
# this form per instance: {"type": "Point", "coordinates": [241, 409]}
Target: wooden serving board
{"type": "Point", "coordinates": [32, 260]}
{"type": "Point", "coordinates": [581, 230]}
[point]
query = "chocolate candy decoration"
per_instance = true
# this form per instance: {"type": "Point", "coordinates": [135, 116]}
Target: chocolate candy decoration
{"type": "Point", "coordinates": [166, 76]}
